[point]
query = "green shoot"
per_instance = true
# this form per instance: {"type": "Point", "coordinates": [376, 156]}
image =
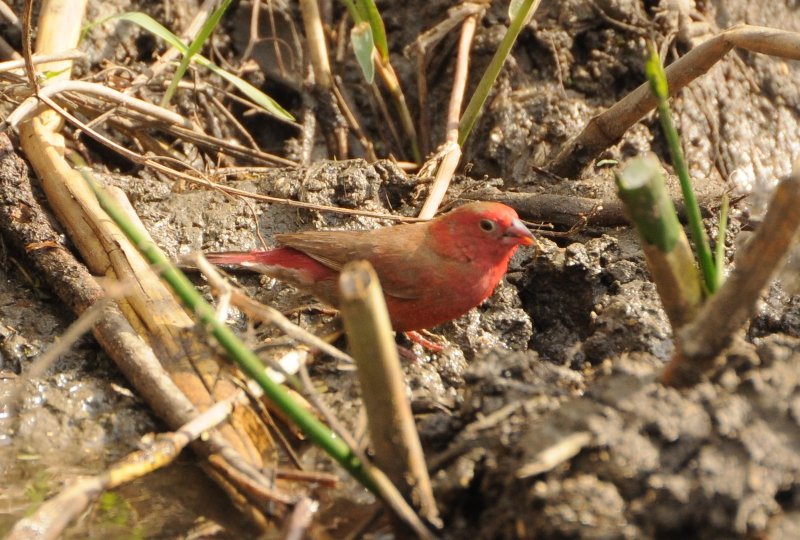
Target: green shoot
{"type": "Point", "coordinates": [368, 35]}
{"type": "Point", "coordinates": [521, 11]}
{"type": "Point", "coordinates": [363, 45]}
{"type": "Point", "coordinates": [369, 12]}
{"type": "Point", "coordinates": [667, 251]}
{"type": "Point", "coordinates": [658, 84]}
{"type": "Point", "coordinates": [194, 48]}
{"type": "Point", "coordinates": [719, 259]}
{"type": "Point", "coordinates": [355, 13]}
{"type": "Point", "coordinates": [365, 11]}
{"type": "Point", "coordinates": [251, 92]}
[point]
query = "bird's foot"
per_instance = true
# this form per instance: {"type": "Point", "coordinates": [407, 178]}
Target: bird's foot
{"type": "Point", "coordinates": [416, 337]}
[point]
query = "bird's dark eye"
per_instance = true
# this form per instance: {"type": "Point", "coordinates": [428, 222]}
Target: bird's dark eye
{"type": "Point", "coordinates": [487, 225]}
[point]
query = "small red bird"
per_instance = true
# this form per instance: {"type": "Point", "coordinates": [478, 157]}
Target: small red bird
{"type": "Point", "coordinates": [431, 272]}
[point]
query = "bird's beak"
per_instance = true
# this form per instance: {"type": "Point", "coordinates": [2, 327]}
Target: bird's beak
{"type": "Point", "coordinates": [519, 233]}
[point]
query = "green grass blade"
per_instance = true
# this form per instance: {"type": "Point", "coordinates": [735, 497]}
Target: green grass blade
{"type": "Point", "coordinates": [254, 94]}
{"type": "Point", "coordinates": [194, 47]}
{"type": "Point", "coordinates": [514, 8]}
{"type": "Point", "coordinates": [149, 24]}
{"type": "Point", "coordinates": [658, 84]}
{"type": "Point", "coordinates": [208, 28]}
{"type": "Point", "coordinates": [353, 10]}
{"type": "Point", "coordinates": [370, 12]}
{"type": "Point", "coordinates": [251, 92]}
{"type": "Point", "coordinates": [719, 259]}
{"type": "Point", "coordinates": [363, 45]}
{"type": "Point", "coordinates": [473, 110]}
{"type": "Point", "coordinates": [667, 251]}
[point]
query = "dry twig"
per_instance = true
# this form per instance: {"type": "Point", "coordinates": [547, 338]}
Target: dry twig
{"type": "Point", "coordinates": [607, 128]}
{"type": "Point", "coordinates": [451, 153]}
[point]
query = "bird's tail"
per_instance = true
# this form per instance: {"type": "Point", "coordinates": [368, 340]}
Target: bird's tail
{"type": "Point", "coordinates": [234, 258]}
{"type": "Point", "coordinates": [282, 256]}
{"type": "Point", "coordinates": [283, 262]}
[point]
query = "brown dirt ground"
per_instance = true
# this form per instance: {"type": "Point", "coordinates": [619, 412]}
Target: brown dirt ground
{"type": "Point", "coordinates": [567, 352]}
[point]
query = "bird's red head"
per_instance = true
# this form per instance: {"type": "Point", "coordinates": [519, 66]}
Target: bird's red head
{"type": "Point", "coordinates": [483, 229]}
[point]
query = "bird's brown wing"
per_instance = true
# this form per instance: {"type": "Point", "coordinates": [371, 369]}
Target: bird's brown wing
{"type": "Point", "coordinates": [388, 250]}
{"type": "Point", "coordinates": [326, 247]}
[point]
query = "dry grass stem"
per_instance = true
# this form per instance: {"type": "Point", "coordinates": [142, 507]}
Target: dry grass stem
{"type": "Point", "coordinates": [452, 151]}
{"type": "Point", "coordinates": [201, 180]}
{"type": "Point", "coordinates": [329, 115]}
{"type": "Point", "coordinates": [152, 311]}
{"type": "Point", "coordinates": [352, 121]}
{"type": "Point", "coordinates": [421, 48]}
{"type": "Point", "coordinates": [38, 59]}
{"type": "Point", "coordinates": [30, 105]}
{"type": "Point", "coordinates": [553, 456]}
{"type": "Point", "coordinates": [79, 290]}
{"type": "Point", "coordinates": [296, 527]}
{"type": "Point", "coordinates": [394, 436]}
{"type": "Point", "coordinates": [317, 48]}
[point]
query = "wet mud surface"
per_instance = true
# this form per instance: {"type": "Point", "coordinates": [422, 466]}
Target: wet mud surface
{"type": "Point", "coordinates": [563, 360]}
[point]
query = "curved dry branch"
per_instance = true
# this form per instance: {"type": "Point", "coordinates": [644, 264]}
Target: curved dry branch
{"type": "Point", "coordinates": [607, 128]}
